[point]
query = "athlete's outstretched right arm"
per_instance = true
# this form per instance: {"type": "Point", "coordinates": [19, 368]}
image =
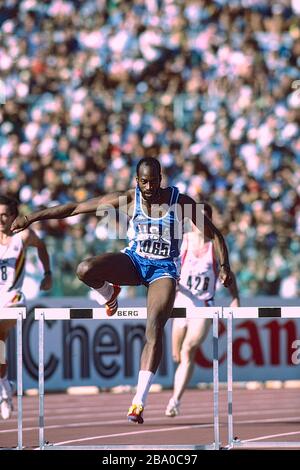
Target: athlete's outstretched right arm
{"type": "Point", "coordinates": [71, 208]}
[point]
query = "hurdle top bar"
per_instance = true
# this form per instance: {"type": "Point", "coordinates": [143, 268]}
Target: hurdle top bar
{"type": "Point", "coordinates": [261, 312]}
{"type": "Point", "coordinates": [12, 313]}
{"type": "Point", "coordinates": [128, 313]}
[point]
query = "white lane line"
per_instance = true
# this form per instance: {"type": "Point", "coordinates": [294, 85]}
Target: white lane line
{"type": "Point", "coordinates": [147, 431]}
{"type": "Point", "coordinates": [270, 420]}
{"type": "Point", "coordinates": [270, 436]}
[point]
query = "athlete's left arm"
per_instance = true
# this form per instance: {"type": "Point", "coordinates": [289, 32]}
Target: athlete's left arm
{"type": "Point", "coordinates": [30, 238]}
{"type": "Point", "coordinates": [234, 292]}
{"type": "Point", "coordinates": [194, 211]}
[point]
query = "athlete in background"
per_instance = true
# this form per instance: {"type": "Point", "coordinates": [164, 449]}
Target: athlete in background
{"type": "Point", "coordinates": [12, 271]}
{"type": "Point", "coordinates": [197, 285]}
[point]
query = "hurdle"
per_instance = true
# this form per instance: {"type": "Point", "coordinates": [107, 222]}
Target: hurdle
{"type": "Point", "coordinates": [17, 313]}
{"type": "Point", "coordinates": [230, 314]}
{"type": "Point", "coordinates": [42, 314]}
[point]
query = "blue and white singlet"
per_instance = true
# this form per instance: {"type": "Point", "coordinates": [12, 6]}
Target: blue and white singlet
{"type": "Point", "coordinates": [155, 242]}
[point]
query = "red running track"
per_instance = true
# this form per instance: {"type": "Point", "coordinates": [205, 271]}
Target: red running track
{"type": "Point", "coordinates": [267, 415]}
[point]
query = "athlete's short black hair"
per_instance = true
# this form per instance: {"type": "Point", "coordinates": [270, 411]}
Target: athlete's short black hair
{"type": "Point", "coordinates": [149, 161]}
{"type": "Point", "coordinates": [11, 203]}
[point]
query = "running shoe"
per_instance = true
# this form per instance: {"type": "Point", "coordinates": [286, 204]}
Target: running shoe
{"type": "Point", "coordinates": [135, 414]}
{"type": "Point", "coordinates": [6, 407]}
{"type": "Point", "coordinates": [111, 305]}
{"type": "Point", "coordinates": [172, 409]}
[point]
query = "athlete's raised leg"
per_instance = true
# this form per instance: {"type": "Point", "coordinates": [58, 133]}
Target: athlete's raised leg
{"type": "Point", "coordinates": [105, 273]}
{"type": "Point", "coordinates": [116, 268]}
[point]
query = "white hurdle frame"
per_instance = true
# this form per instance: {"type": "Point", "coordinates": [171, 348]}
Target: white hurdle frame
{"type": "Point", "coordinates": [231, 313]}
{"type": "Point", "coordinates": [42, 314]}
{"type": "Point", "coordinates": [19, 314]}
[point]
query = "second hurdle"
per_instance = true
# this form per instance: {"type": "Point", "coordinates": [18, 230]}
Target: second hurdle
{"type": "Point", "coordinates": [230, 314]}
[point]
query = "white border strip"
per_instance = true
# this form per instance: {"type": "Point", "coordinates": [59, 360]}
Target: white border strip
{"type": "Point", "coordinates": [253, 312]}
{"type": "Point", "coordinates": [12, 313]}
{"type": "Point", "coordinates": [97, 314]}
{"type": "Point", "coordinates": [204, 312]}
{"type": "Point", "coordinates": [290, 312]}
{"type": "Point", "coordinates": [52, 313]}
{"type": "Point", "coordinates": [240, 312]}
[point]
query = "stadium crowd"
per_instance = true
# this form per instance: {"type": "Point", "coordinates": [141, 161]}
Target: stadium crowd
{"type": "Point", "coordinates": [209, 87]}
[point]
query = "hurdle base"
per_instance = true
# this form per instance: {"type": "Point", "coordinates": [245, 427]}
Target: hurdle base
{"type": "Point", "coordinates": [12, 448]}
{"type": "Point", "coordinates": [263, 444]}
{"type": "Point", "coordinates": [131, 447]}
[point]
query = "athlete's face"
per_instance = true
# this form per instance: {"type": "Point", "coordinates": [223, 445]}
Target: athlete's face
{"type": "Point", "coordinates": [6, 218]}
{"type": "Point", "coordinates": [148, 181]}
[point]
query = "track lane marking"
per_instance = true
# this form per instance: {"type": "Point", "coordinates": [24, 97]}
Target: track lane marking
{"type": "Point", "coordinates": [270, 436]}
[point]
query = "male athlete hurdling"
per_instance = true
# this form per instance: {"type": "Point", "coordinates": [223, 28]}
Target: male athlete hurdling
{"type": "Point", "coordinates": [156, 218]}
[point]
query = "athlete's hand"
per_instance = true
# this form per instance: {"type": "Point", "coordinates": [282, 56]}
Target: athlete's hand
{"type": "Point", "coordinates": [225, 275]}
{"type": "Point", "coordinates": [46, 282]}
{"type": "Point", "coordinates": [20, 223]}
